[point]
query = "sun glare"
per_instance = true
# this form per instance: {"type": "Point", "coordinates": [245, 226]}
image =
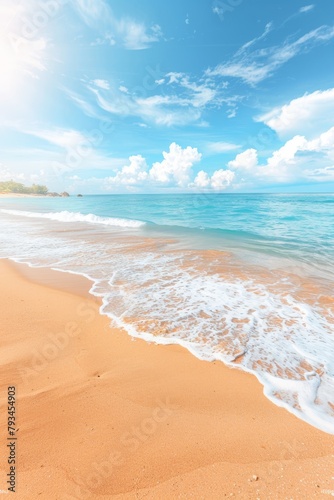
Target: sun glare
{"type": "Point", "coordinates": [20, 57]}
{"type": "Point", "coordinates": [9, 69]}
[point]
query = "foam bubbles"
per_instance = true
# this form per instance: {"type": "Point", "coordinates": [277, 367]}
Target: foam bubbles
{"type": "Point", "coordinates": [66, 216]}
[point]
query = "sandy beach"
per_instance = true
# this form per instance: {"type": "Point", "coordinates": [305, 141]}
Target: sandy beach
{"type": "Point", "coordinates": [101, 415]}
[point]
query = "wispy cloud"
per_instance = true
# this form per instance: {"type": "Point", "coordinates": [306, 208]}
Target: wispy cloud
{"type": "Point", "coordinates": [184, 103]}
{"type": "Point", "coordinates": [301, 11]}
{"type": "Point", "coordinates": [130, 33]}
{"type": "Point", "coordinates": [306, 8]}
{"type": "Point", "coordinates": [136, 36]}
{"type": "Point", "coordinates": [78, 150]}
{"type": "Point", "coordinates": [201, 93]}
{"type": "Point", "coordinates": [88, 108]}
{"type": "Point", "coordinates": [102, 84]}
{"type": "Point", "coordinates": [64, 138]}
{"type": "Point", "coordinates": [158, 109]}
{"type": "Point", "coordinates": [255, 66]}
{"type": "Point", "coordinates": [255, 40]}
{"type": "Point", "coordinates": [220, 147]}
{"type": "Point", "coordinates": [106, 39]}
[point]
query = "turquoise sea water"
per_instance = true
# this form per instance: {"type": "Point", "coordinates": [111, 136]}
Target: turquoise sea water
{"type": "Point", "coordinates": [297, 226]}
{"type": "Point", "coordinates": [243, 278]}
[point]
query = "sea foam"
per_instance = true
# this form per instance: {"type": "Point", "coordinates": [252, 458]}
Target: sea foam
{"type": "Point", "coordinates": [66, 216]}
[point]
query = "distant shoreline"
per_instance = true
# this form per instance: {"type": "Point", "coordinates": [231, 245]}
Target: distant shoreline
{"type": "Point", "coordinates": [30, 195]}
{"type": "Point", "coordinates": [22, 195]}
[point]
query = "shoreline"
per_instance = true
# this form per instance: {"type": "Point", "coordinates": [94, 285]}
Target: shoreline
{"type": "Point", "coordinates": [146, 420]}
{"type": "Point", "coordinates": [30, 195]}
{"type": "Point", "coordinates": [22, 195]}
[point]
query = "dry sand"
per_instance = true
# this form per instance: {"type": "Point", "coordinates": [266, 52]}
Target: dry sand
{"type": "Point", "coordinates": [103, 416]}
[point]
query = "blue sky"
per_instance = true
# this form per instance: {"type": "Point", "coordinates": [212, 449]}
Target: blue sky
{"type": "Point", "coordinates": [102, 96]}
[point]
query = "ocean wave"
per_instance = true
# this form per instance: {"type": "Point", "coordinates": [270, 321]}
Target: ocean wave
{"type": "Point", "coordinates": [66, 216]}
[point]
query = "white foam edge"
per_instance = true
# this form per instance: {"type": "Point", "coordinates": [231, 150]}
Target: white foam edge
{"type": "Point", "coordinates": [72, 217]}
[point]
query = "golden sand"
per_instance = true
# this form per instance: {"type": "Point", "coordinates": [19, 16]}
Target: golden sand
{"type": "Point", "coordinates": [101, 416]}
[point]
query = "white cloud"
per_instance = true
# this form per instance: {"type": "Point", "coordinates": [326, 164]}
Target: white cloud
{"type": "Point", "coordinates": [217, 10]}
{"type": "Point", "coordinates": [253, 67]}
{"type": "Point", "coordinates": [123, 89]}
{"type": "Point", "coordinates": [298, 160]}
{"type": "Point", "coordinates": [232, 113]}
{"type": "Point", "coordinates": [64, 138]}
{"type": "Point", "coordinates": [311, 113]}
{"type": "Point", "coordinates": [325, 174]}
{"type": "Point", "coordinates": [202, 93]}
{"type": "Point", "coordinates": [133, 35]}
{"type": "Point", "coordinates": [286, 154]}
{"type": "Point", "coordinates": [133, 174]}
{"type": "Point", "coordinates": [31, 54]}
{"type": "Point", "coordinates": [136, 36]}
{"type": "Point", "coordinates": [174, 77]}
{"type": "Point", "coordinates": [92, 11]}
{"type": "Point", "coordinates": [220, 180]}
{"type": "Point", "coordinates": [267, 30]}
{"type": "Point", "coordinates": [306, 8]}
{"type": "Point", "coordinates": [325, 142]}
{"type": "Point", "coordinates": [176, 165]}
{"type": "Point", "coordinates": [161, 110]}
{"type": "Point", "coordinates": [107, 39]}
{"type": "Point", "coordinates": [184, 103]}
{"type": "Point", "coordinates": [202, 179]}
{"type": "Point", "coordinates": [221, 147]}
{"type": "Point", "coordinates": [244, 161]}
{"type": "Point", "coordinates": [174, 172]}
{"type": "Point", "coordinates": [88, 108]}
{"type": "Point", "coordinates": [249, 72]}
{"type": "Point", "coordinates": [165, 110]}
{"type": "Point", "coordinates": [80, 150]}
{"type": "Point", "coordinates": [102, 84]}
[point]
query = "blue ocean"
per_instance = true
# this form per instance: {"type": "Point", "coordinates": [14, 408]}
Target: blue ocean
{"type": "Point", "coordinates": [246, 279]}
